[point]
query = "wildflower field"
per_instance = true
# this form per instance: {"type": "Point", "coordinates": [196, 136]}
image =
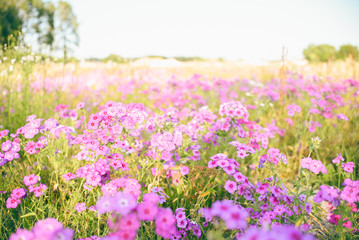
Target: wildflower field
{"type": "Point", "coordinates": [198, 151]}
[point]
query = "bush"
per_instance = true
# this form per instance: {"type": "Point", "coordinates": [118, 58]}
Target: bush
{"type": "Point", "coordinates": [319, 53]}
{"type": "Point", "coordinates": [346, 51]}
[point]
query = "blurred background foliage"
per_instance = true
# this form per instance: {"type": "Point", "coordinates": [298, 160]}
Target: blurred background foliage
{"type": "Point", "coordinates": [48, 28]}
{"type": "Point", "coordinates": [326, 52]}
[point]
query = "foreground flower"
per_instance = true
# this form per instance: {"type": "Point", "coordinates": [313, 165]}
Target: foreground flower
{"type": "Point", "coordinates": [46, 229]}
{"type": "Point", "coordinates": [165, 223]}
{"type": "Point", "coordinates": [147, 211]}
{"type": "Point", "coordinates": [277, 232]}
{"type": "Point", "coordinates": [124, 203]}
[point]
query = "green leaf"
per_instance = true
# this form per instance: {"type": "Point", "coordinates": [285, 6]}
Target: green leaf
{"type": "Point", "coordinates": [28, 215]}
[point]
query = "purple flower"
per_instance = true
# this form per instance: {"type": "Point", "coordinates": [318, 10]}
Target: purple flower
{"type": "Point", "coordinates": [308, 208]}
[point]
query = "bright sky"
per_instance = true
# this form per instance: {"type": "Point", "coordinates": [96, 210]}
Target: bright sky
{"type": "Point", "coordinates": [251, 29]}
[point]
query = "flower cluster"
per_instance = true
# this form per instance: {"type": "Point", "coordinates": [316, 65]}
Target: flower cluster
{"type": "Point", "coordinates": [234, 110]}
{"type": "Point", "coordinates": [338, 159]}
{"type": "Point", "coordinates": [276, 232]}
{"type": "Point", "coordinates": [47, 229]}
{"type": "Point", "coordinates": [292, 109]}
{"type": "Point", "coordinates": [242, 149]}
{"type": "Point", "coordinates": [185, 225]}
{"type": "Point", "coordinates": [127, 214]}
{"type": "Point", "coordinates": [274, 156]}
{"type": "Point", "coordinates": [314, 166]}
{"type": "Point", "coordinates": [161, 148]}
{"type": "Point", "coordinates": [10, 150]}
{"type": "Point", "coordinates": [20, 193]}
{"type": "Point", "coordinates": [221, 160]}
{"type": "Point", "coordinates": [233, 215]}
{"type": "Point", "coordinates": [348, 167]}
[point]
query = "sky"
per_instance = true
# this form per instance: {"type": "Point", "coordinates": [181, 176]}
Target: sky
{"type": "Point", "coordinates": [229, 29]}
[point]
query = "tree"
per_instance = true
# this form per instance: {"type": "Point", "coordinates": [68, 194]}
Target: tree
{"type": "Point", "coordinates": [319, 53]}
{"type": "Point", "coordinates": [38, 28]}
{"type": "Point", "coordinates": [348, 50]}
{"type": "Point", "coordinates": [10, 20]}
{"type": "Point", "coordinates": [67, 28]}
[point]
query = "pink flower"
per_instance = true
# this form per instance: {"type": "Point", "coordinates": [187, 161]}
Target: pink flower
{"type": "Point", "coordinates": [12, 202]}
{"type": "Point", "coordinates": [180, 215]}
{"type": "Point", "coordinates": [291, 113]}
{"type": "Point", "coordinates": [348, 167]}
{"type": "Point", "coordinates": [289, 121]}
{"type": "Point", "coordinates": [230, 169]}
{"type": "Point", "coordinates": [230, 186]}
{"type": "Point", "coordinates": [109, 189]}
{"type": "Point", "coordinates": [80, 105]}
{"type": "Point", "coordinates": [242, 154]}
{"type": "Point", "coordinates": [31, 179]}
{"type": "Point", "coordinates": [252, 166]}
{"type": "Point", "coordinates": [123, 235]}
{"type": "Point", "coordinates": [262, 188]}
{"type": "Point", "coordinates": [347, 224]}
{"type": "Point", "coordinates": [129, 222]}
{"type": "Point", "coordinates": [234, 109]}
{"type": "Point", "coordinates": [151, 197]}
{"type": "Point", "coordinates": [165, 223]}
{"type": "Point", "coordinates": [184, 170]}
{"type": "Point", "coordinates": [22, 234]}
{"type": "Point", "coordinates": [239, 177]}
{"type": "Point", "coordinates": [105, 204]}
{"type": "Point", "coordinates": [305, 162]}
{"type": "Point", "coordinates": [221, 208]}
{"type": "Point", "coordinates": [338, 159]}
{"type": "Point", "coordinates": [69, 176]}
{"type": "Point", "coordinates": [50, 228]}
{"type": "Point", "coordinates": [212, 164]}
{"type": "Point", "coordinates": [147, 211]}
{"type": "Point", "coordinates": [334, 219]}
{"type": "Point", "coordinates": [342, 117]}
{"type": "Point", "coordinates": [38, 191]}
{"type": "Point", "coordinates": [6, 146]}
{"type": "Point", "coordinates": [80, 207]}
{"type": "Point", "coordinates": [350, 192]}
{"type": "Point", "coordinates": [18, 193]}
{"type": "Point", "coordinates": [65, 234]}
{"type": "Point", "coordinates": [182, 223]}
{"type": "Point", "coordinates": [93, 179]}
{"type": "Point", "coordinates": [317, 166]}
{"type": "Point", "coordinates": [124, 203]}
{"type": "Point", "coordinates": [236, 218]}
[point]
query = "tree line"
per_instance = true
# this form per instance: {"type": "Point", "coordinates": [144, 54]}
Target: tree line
{"type": "Point", "coordinates": [325, 52]}
{"type": "Point", "coordinates": [44, 25]}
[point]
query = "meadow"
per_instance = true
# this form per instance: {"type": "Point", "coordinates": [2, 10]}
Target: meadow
{"type": "Point", "coordinates": [204, 150]}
